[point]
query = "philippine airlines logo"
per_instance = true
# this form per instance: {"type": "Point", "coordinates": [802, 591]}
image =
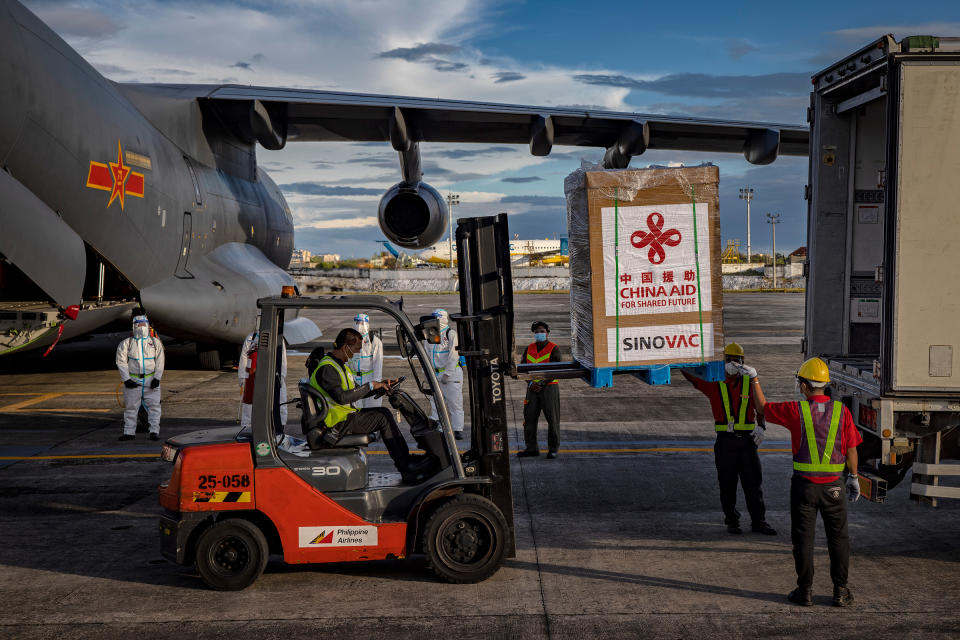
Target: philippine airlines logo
{"type": "Point", "coordinates": [334, 536]}
{"type": "Point", "coordinates": [656, 238]}
{"type": "Point", "coordinates": [324, 537]}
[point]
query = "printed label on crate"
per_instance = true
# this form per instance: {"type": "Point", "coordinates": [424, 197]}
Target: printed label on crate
{"type": "Point", "coordinates": [658, 258]}
{"type": "Point", "coordinates": [667, 342]}
{"type": "Point", "coordinates": [337, 536]}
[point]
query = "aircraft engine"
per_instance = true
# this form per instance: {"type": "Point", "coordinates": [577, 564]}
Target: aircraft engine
{"type": "Point", "coordinates": [413, 216]}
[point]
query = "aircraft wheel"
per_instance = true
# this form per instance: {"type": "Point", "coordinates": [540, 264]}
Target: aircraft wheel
{"type": "Point", "coordinates": [231, 555]}
{"type": "Point", "coordinates": [209, 358]}
{"type": "Point", "coordinates": [464, 539]}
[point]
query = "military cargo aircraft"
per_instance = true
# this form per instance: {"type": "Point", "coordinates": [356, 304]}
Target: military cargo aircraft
{"type": "Point", "coordinates": [115, 194]}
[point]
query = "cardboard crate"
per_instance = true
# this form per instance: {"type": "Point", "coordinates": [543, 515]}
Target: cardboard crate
{"type": "Point", "coordinates": [645, 277]}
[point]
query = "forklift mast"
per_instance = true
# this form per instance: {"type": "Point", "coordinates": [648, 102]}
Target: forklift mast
{"type": "Point", "coordinates": [485, 328]}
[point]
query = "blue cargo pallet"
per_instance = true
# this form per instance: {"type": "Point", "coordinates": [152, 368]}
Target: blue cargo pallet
{"type": "Point", "coordinates": [712, 371]}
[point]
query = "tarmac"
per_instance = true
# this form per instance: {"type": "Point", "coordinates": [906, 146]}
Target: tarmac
{"type": "Point", "coordinates": [620, 537]}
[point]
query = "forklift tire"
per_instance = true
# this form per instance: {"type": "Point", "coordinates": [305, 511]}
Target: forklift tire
{"type": "Point", "coordinates": [231, 555]}
{"type": "Point", "coordinates": [464, 539]}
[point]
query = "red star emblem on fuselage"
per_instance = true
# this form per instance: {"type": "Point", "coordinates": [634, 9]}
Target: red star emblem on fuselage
{"type": "Point", "coordinates": [120, 173]}
{"type": "Point", "coordinates": [115, 177]}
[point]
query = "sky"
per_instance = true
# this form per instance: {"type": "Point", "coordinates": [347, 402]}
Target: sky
{"type": "Point", "coordinates": [739, 60]}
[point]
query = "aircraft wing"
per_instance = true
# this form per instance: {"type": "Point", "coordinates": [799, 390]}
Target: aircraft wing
{"type": "Point", "coordinates": [275, 115]}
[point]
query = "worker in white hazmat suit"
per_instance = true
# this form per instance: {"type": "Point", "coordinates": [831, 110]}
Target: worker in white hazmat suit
{"type": "Point", "coordinates": [140, 362]}
{"type": "Point", "coordinates": [246, 370]}
{"type": "Point", "coordinates": [445, 360]}
{"type": "Point", "coordinates": [369, 361]}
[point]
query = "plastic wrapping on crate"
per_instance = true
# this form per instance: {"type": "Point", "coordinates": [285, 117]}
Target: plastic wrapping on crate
{"type": "Point", "coordinates": [645, 277]}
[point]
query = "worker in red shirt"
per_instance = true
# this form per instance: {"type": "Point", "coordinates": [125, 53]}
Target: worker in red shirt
{"type": "Point", "coordinates": [738, 438]}
{"type": "Point", "coordinates": [824, 440]}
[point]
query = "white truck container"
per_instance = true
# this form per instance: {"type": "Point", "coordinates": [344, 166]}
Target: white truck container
{"type": "Point", "coordinates": [883, 292]}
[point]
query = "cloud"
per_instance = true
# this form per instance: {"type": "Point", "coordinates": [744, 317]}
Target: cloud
{"type": "Point", "coordinates": [864, 35]}
{"type": "Point", "coordinates": [737, 48]}
{"type": "Point", "coordinates": [79, 22]}
{"type": "Point", "coordinates": [507, 76]}
{"type": "Point", "coordinates": [468, 152]}
{"type": "Point", "coordinates": [357, 222]}
{"type": "Point", "coordinates": [317, 189]}
{"type": "Point", "coordinates": [537, 201]}
{"type": "Point", "coordinates": [427, 53]}
{"type": "Point", "coordinates": [702, 85]}
{"type": "Point", "coordinates": [521, 179]}
{"type": "Point", "coordinates": [242, 65]}
{"type": "Point", "coordinates": [421, 51]}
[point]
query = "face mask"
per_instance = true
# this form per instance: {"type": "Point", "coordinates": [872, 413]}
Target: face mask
{"type": "Point", "coordinates": [141, 331]}
{"type": "Point", "coordinates": [731, 369]}
{"type": "Point", "coordinates": [540, 337]}
{"type": "Point", "coordinates": [797, 393]}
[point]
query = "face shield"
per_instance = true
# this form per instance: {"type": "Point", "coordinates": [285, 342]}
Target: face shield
{"type": "Point", "coordinates": [361, 322]}
{"type": "Point", "coordinates": [141, 327]}
{"type": "Point", "coordinates": [443, 317]}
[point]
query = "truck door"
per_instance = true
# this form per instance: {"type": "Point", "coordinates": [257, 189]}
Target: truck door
{"type": "Point", "coordinates": [922, 345]}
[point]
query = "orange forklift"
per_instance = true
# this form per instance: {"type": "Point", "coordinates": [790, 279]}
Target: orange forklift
{"type": "Point", "coordinates": [236, 498]}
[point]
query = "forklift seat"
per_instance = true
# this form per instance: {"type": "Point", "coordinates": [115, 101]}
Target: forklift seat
{"type": "Point", "coordinates": [313, 411]}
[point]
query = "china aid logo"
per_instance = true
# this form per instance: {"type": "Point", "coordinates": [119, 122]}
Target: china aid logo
{"type": "Point", "coordinates": [656, 238]}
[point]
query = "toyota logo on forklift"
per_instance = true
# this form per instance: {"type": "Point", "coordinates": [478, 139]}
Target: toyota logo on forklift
{"type": "Point", "coordinates": [258, 500]}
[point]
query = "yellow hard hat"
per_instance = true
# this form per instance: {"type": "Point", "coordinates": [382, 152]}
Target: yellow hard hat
{"type": "Point", "coordinates": [733, 349]}
{"type": "Point", "coordinates": [814, 370]}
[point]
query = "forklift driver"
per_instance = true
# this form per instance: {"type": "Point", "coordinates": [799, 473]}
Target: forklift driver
{"type": "Point", "coordinates": [334, 378]}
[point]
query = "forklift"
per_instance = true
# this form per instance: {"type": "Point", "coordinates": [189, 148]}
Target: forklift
{"type": "Point", "coordinates": [234, 499]}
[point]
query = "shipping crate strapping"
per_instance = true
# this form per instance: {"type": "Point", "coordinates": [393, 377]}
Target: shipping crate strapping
{"type": "Point", "coordinates": [645, 277]}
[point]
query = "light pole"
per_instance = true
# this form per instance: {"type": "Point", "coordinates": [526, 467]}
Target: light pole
{"type": "Point", "coordinates": [747, 194]}
{"type": "Point", "coordinates": [453, 199]}
{"type": "Point", "coordinates": [774, 219]}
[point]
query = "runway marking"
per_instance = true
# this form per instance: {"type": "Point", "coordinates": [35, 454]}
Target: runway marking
{"type": "Point", "coordinates": [84, 456]}
{"type": "Point", "coordinates": [383, 453]}
{"type": "Point", "coordinates": [17, 406]}
{"type": "Point", "coordinates": [26, 406]}
{"type": "Point", "coordinates": [65, 393]}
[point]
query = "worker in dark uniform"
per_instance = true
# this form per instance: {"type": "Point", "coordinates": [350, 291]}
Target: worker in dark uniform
{"type": "Point", "coordinates": [824, 439]}
{"type": "Point", "coordinates": [334, 377]}
{"type": "Point", "coordinates": [738, 438]}
{"type": "Point", "coordinates": [542, 395]}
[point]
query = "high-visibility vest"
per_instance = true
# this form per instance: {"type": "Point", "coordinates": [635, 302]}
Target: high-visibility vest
{"type": "Point", "coordinates": [741, 424]}
{"type": "Point", "coordinates": [535, 357]}
{"type": "Point", "coordinates": [336, 413]}
{"type": "Point", "coordinates": [822, 429]}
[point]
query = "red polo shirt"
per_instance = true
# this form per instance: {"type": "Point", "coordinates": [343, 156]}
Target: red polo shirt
{"type": "Point", "coordinates": [788, 415]}
{"type": "Point", "coordinates": [712, 391]}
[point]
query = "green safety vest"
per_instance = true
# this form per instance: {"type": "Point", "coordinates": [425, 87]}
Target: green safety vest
{"type": "Point", "coordinates": [741, 424]}
{"type": "Point", "coordinates": [807, 458]}
{"type": "Point", "coordinates": [336, 413]}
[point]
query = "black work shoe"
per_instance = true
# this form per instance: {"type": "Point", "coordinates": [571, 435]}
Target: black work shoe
{"type": "Point", "coordinates": [763, 528]}
{"type": "Point", "coordinates": [458, 435]}
{"type": "Point", "coordinates": [734, 528]}
{"type": "Point", "coordinates": [154, 436]}
{"type": "Point", "coordinates": [528, 453]}
{"type": "Point", "coordinates": [551, 455]}
{"type": "Point", "coordinates": [842, 597]}
{"type": "Point", "coordinates": [126, 436]}
{"type": "Point", "coordinates": [802, 597]}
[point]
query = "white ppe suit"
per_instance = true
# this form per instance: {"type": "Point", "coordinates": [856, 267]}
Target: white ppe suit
{"type": "Point", "coordinates": [248, 349]}
{"type": "Point", "coordinates": [140, 358]}
{"type": "Point", "coordinates": [445, 360]}
{"type": "Point", "coordinates": [370, 361]}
